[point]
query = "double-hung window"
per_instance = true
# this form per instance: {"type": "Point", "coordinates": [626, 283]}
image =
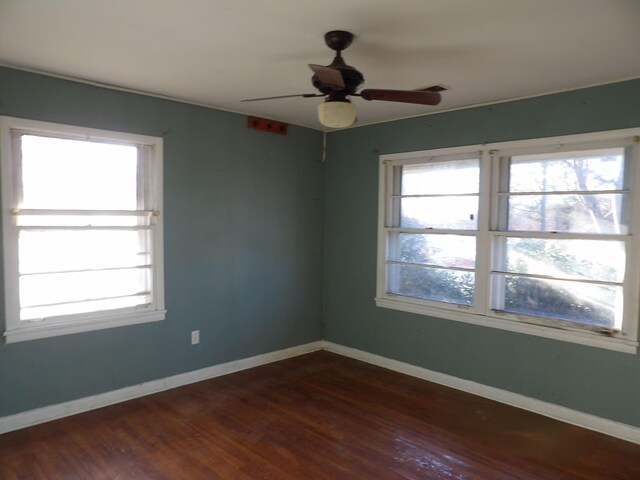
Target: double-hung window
{"type": "Point", "coordinates": [432, 228]}
{"type": "Point", "coordinates": [82, 228]}
{"type": "Point", "coordinates": [536, 236]}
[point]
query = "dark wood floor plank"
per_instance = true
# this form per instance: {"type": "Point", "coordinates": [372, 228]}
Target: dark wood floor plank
{"type": "Point", "coordinates": [319, 416]}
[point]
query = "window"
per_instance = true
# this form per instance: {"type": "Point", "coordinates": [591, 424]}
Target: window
{"type": "Point", "coordinates": [531, 236]}
{"type": "Point", "coordinates": [82, 229]}
{"type": "Point", "coordinates": [433, 229]}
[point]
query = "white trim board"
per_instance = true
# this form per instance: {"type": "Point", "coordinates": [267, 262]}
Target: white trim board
{"type": "Point", "coordinates": [564, 414]}
{"type": "Point", "coordinates": [60, 410]}
{"type": "Point", "coordinates": [557, 412]}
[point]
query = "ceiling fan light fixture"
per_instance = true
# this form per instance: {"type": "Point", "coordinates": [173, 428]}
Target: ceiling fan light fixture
{"type": "Point", "coordinates": [337, 113]}
{"type": "Point", "coordinates": [338, 81]}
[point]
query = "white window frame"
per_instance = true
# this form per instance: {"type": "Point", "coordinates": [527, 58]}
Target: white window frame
{"type": "Point", "coordinates": [17, 330]}
{"type": "Point", "coordinates": [481, 313]}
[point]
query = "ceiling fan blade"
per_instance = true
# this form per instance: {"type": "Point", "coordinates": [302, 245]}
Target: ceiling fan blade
{"type": "Point", "coordinates": [328, 76]}
{"type": "Point", "coordinates": [304, 95]}
{"type": "Point", "coordinates": [406, 96]}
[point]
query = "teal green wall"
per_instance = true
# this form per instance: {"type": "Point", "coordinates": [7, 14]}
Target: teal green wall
{"type": "Point", "coordinates": [242, 241]}
{"type": "Point", "coordinates": [244, 250]}
{"type": "Point", "coordinates": [588, 379]}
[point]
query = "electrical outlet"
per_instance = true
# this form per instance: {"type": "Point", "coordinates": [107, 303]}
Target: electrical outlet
{"type": "Point", "coordinates": [195, 337]}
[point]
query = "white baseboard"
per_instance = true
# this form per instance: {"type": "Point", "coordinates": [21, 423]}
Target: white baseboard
{"type": "Point", "coordinates": [54, 412]}
{"type": "Point", "coordinates": [574, 417]}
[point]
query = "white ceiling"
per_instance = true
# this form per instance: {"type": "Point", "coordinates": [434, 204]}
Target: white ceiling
{"type": "Point", "coordinates": [217, 52]}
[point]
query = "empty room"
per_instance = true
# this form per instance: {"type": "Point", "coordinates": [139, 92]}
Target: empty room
{"type": "Point", "coordinates": [288, 239]}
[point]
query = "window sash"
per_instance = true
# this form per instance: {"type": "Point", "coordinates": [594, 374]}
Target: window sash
{"type": "Point", "coordinates": [391, 175]}
{"type": "Point", "coordinates": [135, 257]}
{"type": "Point", "coordinates": [589, 305]}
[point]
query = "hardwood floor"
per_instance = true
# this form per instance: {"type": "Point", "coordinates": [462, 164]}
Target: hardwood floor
{"type": "Point", "coordinates": [318, 416]}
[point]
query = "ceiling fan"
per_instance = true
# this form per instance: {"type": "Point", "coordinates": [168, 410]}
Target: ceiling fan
{"type": "Point", "coordinates": [338, 81]}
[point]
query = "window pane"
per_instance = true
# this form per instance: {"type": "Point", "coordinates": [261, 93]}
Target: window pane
{"type": "Point", "coordinates": [83, 307]}
{"type": "Point", "coordinates": [451, 177]}
{"type": "Point", "coordinates": [572, 301]}
{"type": "Point", "coordinates": [62, 250]}
{"type": "Point", "coordinates": [53, 288]}
{"type": "Point", "coordinates": [568, 213]}
{"type": "Point", "coordinates": [442, 250]}
{"type": "Point", "coordinates": [590, 170]}
{"type": "Point", "coordinates": [439, 284]}
{"type": "Point", "coordinates": [580, 259]}
{"type": "Point", "coordinates": [72, 174]}
{"type": "Point", "coordinates": [440, 212]}
{"type": "Point", "coordinates": [82, 220]}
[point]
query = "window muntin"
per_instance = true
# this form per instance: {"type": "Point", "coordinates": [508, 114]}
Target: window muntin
{"type": "Point", "coordinates": [552, 235]}
{"type": "Point", "coordinates": [82, 231]}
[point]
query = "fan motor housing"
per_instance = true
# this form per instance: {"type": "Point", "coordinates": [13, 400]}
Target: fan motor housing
{"type": "Point", "coordinates": [352, 80]}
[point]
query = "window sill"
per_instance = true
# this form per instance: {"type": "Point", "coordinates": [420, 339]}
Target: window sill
{"type": "Point", "coordinates": [36, 331]}
{"type": "Point", "coordinates": [579, 337]}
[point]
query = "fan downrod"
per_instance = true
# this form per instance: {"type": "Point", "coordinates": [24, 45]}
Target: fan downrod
{"type": "Point", "coordinates": [338, 40]}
